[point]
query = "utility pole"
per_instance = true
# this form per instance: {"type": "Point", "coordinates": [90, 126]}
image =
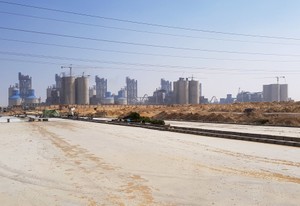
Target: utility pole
{"type": "Point", "coordinates": [278, 87]}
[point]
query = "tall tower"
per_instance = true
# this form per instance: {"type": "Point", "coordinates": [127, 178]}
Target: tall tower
{"type": "Point", "coordinates": [181, 91]}
{"type": "Point", "coordinates": [25, 84]}
{"type": "Point", "coordinates": [101, 88]}
{"type": "Point", "coordinates": [82, 90]}
{"type": "Point", "coordinates": [68, 90]}
{"type": "Point", "coordinates": [194, 92]}
{"type": "Point", "coordinates": [131, 86]}
{"type": "Point", "coordinates": [166, 85]}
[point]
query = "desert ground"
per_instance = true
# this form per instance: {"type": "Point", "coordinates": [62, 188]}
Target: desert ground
{"type": "Point", "coordinates": [263, 113]}
{"type": "Point", "coordinates": [65, 162]}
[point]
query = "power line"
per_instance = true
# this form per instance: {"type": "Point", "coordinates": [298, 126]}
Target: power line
{"type": "Point", "coordinates": [130, 64]}
{"type": "Point", "coordinates": [148, 23]}
{"type": "Point", "coordinates": [106, 62]}
{"type": "Point", "coordinates": [142, 53]}
{"type": "Point", "coordinates": [143, 31]}
{"type": "Point", "coordinates": [85, 67]}
{"type": "Point", "coordinates": [145, 45]}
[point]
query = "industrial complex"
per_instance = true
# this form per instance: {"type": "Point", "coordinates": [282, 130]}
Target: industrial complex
{"type": "Point", "coordinates": [72, 89]}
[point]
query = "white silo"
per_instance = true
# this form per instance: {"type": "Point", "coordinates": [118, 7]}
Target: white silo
{"type": "Point", "coordinates": [194, 92]}
{"type": "Point", "coordinates": [183, 91]}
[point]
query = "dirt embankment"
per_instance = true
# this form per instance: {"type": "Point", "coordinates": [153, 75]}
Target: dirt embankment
{"type": "Point", "coordinates": [284, 114]}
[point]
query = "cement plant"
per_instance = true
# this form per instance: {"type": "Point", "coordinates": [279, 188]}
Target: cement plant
{"type": "Point", "coordinates": [149, 103]}
{"type": "Point", "coordinates": [77, 90]}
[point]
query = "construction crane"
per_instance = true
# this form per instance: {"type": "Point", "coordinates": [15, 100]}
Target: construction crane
{"type": "Point", "coordinates": [278, 87]}
{"type": "Point", "coordinates": [70, 67]}
{"type": "Point", "coordinates": [278, 77]}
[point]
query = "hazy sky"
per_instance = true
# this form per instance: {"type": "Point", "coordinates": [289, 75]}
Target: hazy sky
{"type": "Point", "coordinates": [223, 63]}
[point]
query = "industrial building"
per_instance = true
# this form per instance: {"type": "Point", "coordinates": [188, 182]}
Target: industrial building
{"type": "Point", "coordinates": [25, 84]}
{"type": "Point", "coordinates": [101, 88]}
{"type": "Point", "coordinates": [249, 97]}
{"type": "Point", "coordinates": [186, 92]}
{"type": "Point", "coordinates": [166, 85]}
{"type": "Point", "coordinates": [69, 90]}
{"type": "Point", "coordinates": [275, 93]}
{"type": "Point", "coordinates": [22, 93]}
{"type": "Point", "coordinates": [121, 98]}
{"type": "Point", "coordinates": [53, 95]}
{"type": "Point", "coordinates": [227, 100]}
{"type": "Point", "coordinates": [132, 92]}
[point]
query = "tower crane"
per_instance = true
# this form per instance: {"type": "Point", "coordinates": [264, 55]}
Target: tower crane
{"type": "Point", "coordinates": [70, 67]}
{"type": "Point", "coordinates": [278, 77]}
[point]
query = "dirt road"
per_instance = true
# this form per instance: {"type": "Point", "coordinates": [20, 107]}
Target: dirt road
{"type": "Point", "coordinates": [78, 163]}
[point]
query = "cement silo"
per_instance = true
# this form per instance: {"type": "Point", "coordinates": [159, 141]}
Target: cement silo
{"type": "Point", "coordinates": [15, 98]}
{"type": "Point", "coordinates": [194, 92]}
{"type": "Point", "coordinates": [68, 90]}
{"type": "Point", "coordinates": [82, 90]}
{"type": "Point", "coordinates": [31, 98]}
{"type": "Point", "coordinates": [181, 88]}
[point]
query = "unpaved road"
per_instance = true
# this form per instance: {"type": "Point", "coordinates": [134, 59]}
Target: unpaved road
{"type": "Point", "coordinates": [78, 163]}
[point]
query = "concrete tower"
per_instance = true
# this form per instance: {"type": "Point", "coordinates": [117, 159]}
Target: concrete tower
{"type": "Point", "coordinates": [68, 90]}
{"type": "Point", "coordinates": [82, 90]}
{"type": "Point", "coordinates": [25, 84]}
{"type": "Point", "coordinates": [194, 92]}
{"type": "Point", "coordinates": [101, 88]}
{"type": "Point", "coordinates": [132, 93]}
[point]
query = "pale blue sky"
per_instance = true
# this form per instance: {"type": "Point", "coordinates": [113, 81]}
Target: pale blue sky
{"type": "Point", "coordinates": [218, 75]}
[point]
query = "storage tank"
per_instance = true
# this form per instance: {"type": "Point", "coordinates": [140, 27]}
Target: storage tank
{"type": "Point", "coordinates": [15, 98]}
{"type": "Point", "coordinates": [31, 98]}
{"type": "Point", "coordinates": [194, 92]}
{"type": "Point", "coordinates": [183, 91]}
{"type": "Point", "coordinates": [11, 89]}
{"type": "Point", "coordinates": [82, 90]}
{"type": "Point", "coordinates": [108, 100]}
{"type": "Point", "coordinates": [122, 101]}
{"type": "Point", "coordinates": [68, 90]}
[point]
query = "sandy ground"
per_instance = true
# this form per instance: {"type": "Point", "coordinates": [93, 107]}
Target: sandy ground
{"type": "Point", "coordinates": [78, 163]}
{"type": "Point", "coordinates": [255, 129]}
